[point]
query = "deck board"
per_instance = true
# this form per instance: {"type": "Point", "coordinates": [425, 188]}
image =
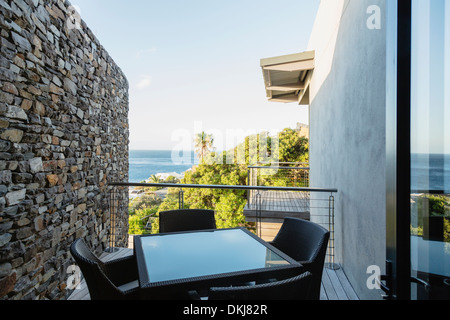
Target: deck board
{"type": "Point", "coordinates": [335, 285]}
{"type": "Point", "coordinates": [328, 287]}
{"type": "Point", "coordinates": [285, 201]}
{"type": "Point", "coordinates": [351, 294]}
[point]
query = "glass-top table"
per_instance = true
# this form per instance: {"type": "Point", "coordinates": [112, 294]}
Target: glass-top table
{"type": "Point", "coordinates": [208, 257]}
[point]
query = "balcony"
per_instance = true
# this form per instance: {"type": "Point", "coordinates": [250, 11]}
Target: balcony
{"type": "Point", "coordinates": [335, 285]}
{"type": "Point", "coordinates": [64, 133]}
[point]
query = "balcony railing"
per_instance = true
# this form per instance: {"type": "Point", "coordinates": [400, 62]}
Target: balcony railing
{"type": "Point", "coordinates": [279, 174]}
{"type": "Point", "coordinates": [264, 198]}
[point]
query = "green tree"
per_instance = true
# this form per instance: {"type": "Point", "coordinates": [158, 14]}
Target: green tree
{"type": "Point", "coordinates": [217, 169]}
{"type": "Point", "coordinates": [144, 201]}
{"type": "Point", "coordinates": [203, 144]}
{"type": "Point", "coordinates": [138, 220]}
{"type": "Point", "coordinates": [293, 147]}
{"type": "Point", "coordinates": [154, 179]}
{"type": "Point", "coordinates": [230, 209]}
{"type": "Point", "coordinates": [228, 204]}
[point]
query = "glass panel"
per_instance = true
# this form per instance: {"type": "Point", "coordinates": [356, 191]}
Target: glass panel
{"type": "Point", "coordinates": [186, 255]}
{"type": "Point", "coordinates": [430, 138]}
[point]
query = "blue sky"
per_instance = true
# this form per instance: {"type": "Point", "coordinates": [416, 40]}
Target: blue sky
{"type": "Point", "coordinates": [194, 65]}
{"type": "Point", "coordinates": [431, 77]}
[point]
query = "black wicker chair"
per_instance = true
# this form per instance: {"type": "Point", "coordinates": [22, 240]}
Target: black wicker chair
{"type": "Point", "coordinates": [113, 280]}
{"type": "Point", "coordinates": [305, 242]}
{"type": "Point", "coordinates": [186, 220]}
{"type": "Point", "coordinates": [296, 288]}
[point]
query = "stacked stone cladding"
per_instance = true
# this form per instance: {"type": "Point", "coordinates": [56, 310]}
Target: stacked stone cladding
{"type": "Point", "coordinates": [63, 136]}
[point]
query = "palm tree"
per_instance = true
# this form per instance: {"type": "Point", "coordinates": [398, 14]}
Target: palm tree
{"type": "Point", "coordinates": [203, 144]}
{"type": "Point", "coordinates": [154, 179]}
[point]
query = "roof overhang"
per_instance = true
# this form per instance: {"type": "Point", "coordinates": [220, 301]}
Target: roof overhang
{"type": "Point", "coordinates": [287, 77]}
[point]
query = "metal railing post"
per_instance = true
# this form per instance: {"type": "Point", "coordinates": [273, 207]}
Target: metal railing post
{"type": "Point", "coordinates": [113, 208]}
{"type": "Point", "coordinates": [181, 199]}
{"type": "Point", "coordinates": [249, 182]}
{"type": "Point", "coordinates": [258, 213]}
{"type": "Point", "coordinates": [331, 263]}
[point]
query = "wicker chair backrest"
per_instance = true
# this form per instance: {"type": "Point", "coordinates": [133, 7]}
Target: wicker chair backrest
{"type": "Point", "coordinates": [186, 220]}
{"type": "Point", "coordinates": [296, 288]}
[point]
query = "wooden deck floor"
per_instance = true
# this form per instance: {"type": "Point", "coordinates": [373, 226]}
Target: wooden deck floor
{"type": "Point", "coordinates": [268, 209]}
{"type": "Point", "coordinates": [335, 285]}
{"type": "Point", "coordinates": [279, 201]}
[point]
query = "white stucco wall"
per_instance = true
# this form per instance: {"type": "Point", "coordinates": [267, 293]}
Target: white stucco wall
{"type": "Point", "coordinates": [347, 129]}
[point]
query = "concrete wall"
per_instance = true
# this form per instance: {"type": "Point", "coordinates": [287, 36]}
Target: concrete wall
{"type": "Point", "coordinates": [63, 136]}
{"type": "Point", "coordinates": [347, 131]}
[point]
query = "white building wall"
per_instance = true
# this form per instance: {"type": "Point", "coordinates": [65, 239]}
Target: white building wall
{"type": "Point", "coordinates": [347, 131]}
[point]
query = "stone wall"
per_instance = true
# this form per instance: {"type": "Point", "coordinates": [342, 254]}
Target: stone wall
{"type": "Point", "coordinates": [63, 136]}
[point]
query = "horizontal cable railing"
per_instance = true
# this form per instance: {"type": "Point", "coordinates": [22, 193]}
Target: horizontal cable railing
{"type": "Point", "coordinates": [254, 212]}
{"type": "Point", "coordinates": [282, 174]}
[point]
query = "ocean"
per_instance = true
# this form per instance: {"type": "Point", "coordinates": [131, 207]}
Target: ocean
{"type": "Point", "coordinates": [145, 163]}
{"type": "Point", "coordinates": [430, 172]}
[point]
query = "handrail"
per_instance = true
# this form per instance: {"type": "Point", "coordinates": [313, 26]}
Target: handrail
{"type": "Point", "coordinates": [262, 162]}
{"type": "Point", "coordinates": [284, 168]}
{"type": "Point", "coordinates": [224, 187]}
